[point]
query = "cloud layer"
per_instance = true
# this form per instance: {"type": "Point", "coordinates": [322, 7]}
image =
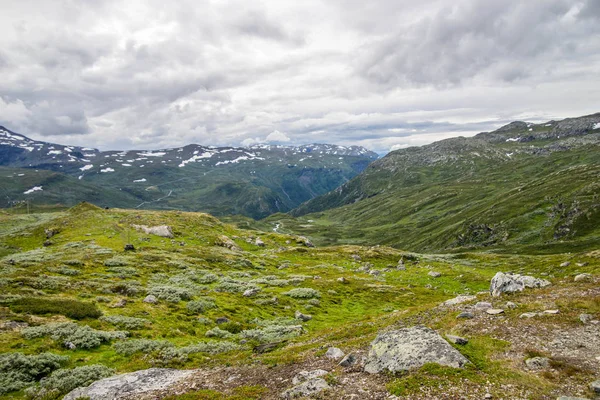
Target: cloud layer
{"type": "Point", "coordinates": [382, 74]}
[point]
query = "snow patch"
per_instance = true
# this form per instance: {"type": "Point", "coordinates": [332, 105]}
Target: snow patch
{"type": "Point", "coordinates": [151, 154]}
{"type": "Point", "coordinates": [87, 167]}
{"type": "Point", "coordinates": [206, 154]}
{"type": "Point", "coordinates": [596, 125]}
{"type": "Point", "coordinates": [33, 189]}
{"type": "Point", "coordinates": [140, 180]}
{"type": "Point", "coordinates": [513, 139]}
{"type": "Point", "coordinates": [55, 152]}
{"type": "Point", "coordinates": [126, 165]}
{"type": "Point", "coordinates": [107, 170]}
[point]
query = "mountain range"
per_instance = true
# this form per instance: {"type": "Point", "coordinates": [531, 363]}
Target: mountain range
{"type": "Point", "coordinates": [255, 181]}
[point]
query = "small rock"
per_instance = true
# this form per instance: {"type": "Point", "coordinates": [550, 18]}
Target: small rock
{"type": "Point", "coordinates": [586, 318]}
{"type": "Point", "coordinates": [302, 317]}
{"type": "Point", "coordinates": [494, 311]}
{"type": "Point", "coordinates": [595, 386]}
{"type": "Point", "coordinates": [571, 398]}
{"type": "Point", "coordinates": [306, 389]}
{"type": "Point", "coordinates": [528, 315]}
{"type": "Point", "coordinates": [121, 303]}
{"type": "Point", "coordinates": [551, 312]}
{"type": "Point", "coordinates": [333, 353]}
{"type": "Point", "coordinates": [565, 264]}
{"type": "Point", "coordinates": [250, 292]}
{"type": "Point", "coordinates": [457, 339]}
{"type": "Point", "coordinates": [510, 304]}
{"type": "Point", "coordinates": [434, 274]}
{"type": "Point", "coordinates": [459, 300]}
{"type": "Point", "coordinates": [488, 396]}
{"type": "Point", "coordinates": [342, 280]}
{"type": "Point", "coordinates": [583, 278]}
{"type": "Point", "coordinates": [482, 305]}
{"type": "Point", "coordinates": [375, 272]}
{"type": "Point", "coordinates": [583, 264]}
{"type": "Point", "coordinates": [537, 363]}
{"type": "Point", "coordinates": [129, 247]}
{"type": "Point", "coordinates": [348, 361]}
{"type": "Point", "coordinates": [304, 376]}
{"type": "Point", "coordinates": [355, 257]}
{"type": "Point", "coordinates": [70, 346]}
{"type": "Point", "coordinates": [47, 243]}
{"type": "Point", "coordinates": [259, 242]}
{"type": "Point", "coordinates": [465, 315]}
{"type": "Point", "coordinates": [222, 320]}
{"type": "Point", "coordinates": [151, 299]}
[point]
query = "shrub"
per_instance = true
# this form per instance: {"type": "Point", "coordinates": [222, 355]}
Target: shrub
{"type": "Point", "coordinates": [70, 308]}
{"type": "Point", "coordinates": [123, 272]}
{"type": "Point", "coordinates": [200, 306]}
{"type": "Point", "coordinates": [130, 347]}
{"type": "Point", "coordinates": [207, 278]}
{"type": "Point", "coordinates": [64, 270]}
{"type": "Point", "coordinates": [172, 294]}
{"type": "Point", "coordinates": [82, 337]}
{"type": "Point", "coordinates": [128, 323]}
{"type": "Point", "coordinates": [116, 261]}
{"type": "Point", "coordinates": [218, 333]}
{"type": "Point", "coordinates": [62, 381]}
{"type": "Point", "coordinates": [211, 347]}
{"type": "Point", "coordinates": [129, 289]}
{"type": "Point", "coordinates": [232, 327]}
{"type": "Point", "coordinates": [303, 293]}
{"type": "Point", "coordinates": [18, 371]}
{"type": "Point", "coordinates": [273, 333]}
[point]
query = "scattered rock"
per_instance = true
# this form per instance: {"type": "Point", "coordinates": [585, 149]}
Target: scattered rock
{"type": "Point", "coordinates": [551, 312]}
{"type": "Point", "coordinates": [304, 376]}
{"type": "Point", "coordinates": [434, 274]}
{"type": "Point", "coordinates": [537, 363]}
{"type": "Point", "coordinates": [355, 257]}
{"type": "Point", "coordinates": [528, 315]}
{"type": "Point", "coordinates": [302, 317]}
{"type": "Point", "coordinates": [509, 283]}
{"type": "Point", "coordinates": [258, 242]}
{"type": "Point", "coordinates": [13, 325]}
{"type": "Point", "coordinates": [226, 242]}
{"type": "Point", "coordinates": [488, 396]}
{"type": "Point", "coordinates": [583, 264]}
{"type": "Point", "coordinates": [308, 388]}
{"type": "Point", "coordinates": [129, 247]}
{"type": "Point", "coordinates": [51, 232]}
{"type": "Point", "coordinates": [47, 243]}
{"type": "Point", "coordinates": [459, 300]}
{"type": "Point", "coordinates": [131, 384]}
{"type": "Point", "coordinates": [583, 278]}
{"type": "Point", "coordinates": [510, 304]}
{"type": "Point", "coordinates": [159, 230]}
{"type": "Point", "coordinates": [565, 264]}
{"type": "Point", "coordinates": [494, 311]}
{"type": "Point", "coordinates": [305, 241]}
{"type": "Point", "coordinates": [465, 315]}
{"type": "Point", "coordinates": [121, 303]}
{"type": "Point", "coordinates": [348, 361]}
{"type": "Point", "coordinates": [457, 339]}
{"type": "Point", "coordinates": [222, 320]}
{"type": "Point", "coordinates": [483, 305]}
{"type": "Point", "coordinates": [586, 318]}
{"type": "Point", "coordinates": [334, 353]}
{"type": "Point", "coordinates": [595, 386]}
{"type": "Point", "coordinates": [151, 299]}
{"type": "Point", "coordinates": [251, 292]}
{"type": "Point", "coordinates": [342, 280]}
{"type": "Point", "coordinates": [410, 348]}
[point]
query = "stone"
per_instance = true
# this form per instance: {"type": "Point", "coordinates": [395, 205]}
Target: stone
{"type": "Point", "coordinates": [410, 348]}
{"type": "Point", "coordinates": [551, 312]}
{"type": "Point", "coordinates": [302, 317]}
{"type": "Point", "coordinates": [13, 325]}
{"type": "Point", "coordinates": [348, 361]}
{"type": "Point", "coordinates": [70, 345]}
{"type": "Point", "coordinates": [483, 305]}
{"type": "Point", "coordinates": [308, 388]}
{"type": "Point", "coordinates": [222, 320]}
{"type": "Point", "coordinates": [159, 230]}
{"type": "Point", "coordinates": [595, 386]}
{"type": "Point", "coordinates": [305, 241]}
{"type": "Point", "coordinates": [258, 242]}
{"type": "Point", "coordinates": [121, 303]}
{"type": "Point", "coordinates": [459, 300]}
{"type": "Point", "coordinates": [494, 311]}
{"type": "Point", "coordinates": [131, 384]}
{"type": "Point", "coordinates": [457, 339]}
{"type": "Point", "coordinates": [583, 278]}
{"type": "Point", "coordinates": [537, 363]}
{"type": "Point", "coordinates": [586, 318]}
{"type": "Point", "coordinates": [488, 396]}
{"type": "Point", "coordinates": [565, 264]}
{"type": "Point", "coordinates": [528, 315]}
{"type": "Point", "coordinates": [510, 304]}
{"type": "Point", "coordinates": [511, 283]}
{"type": "Point", "coordinates": [151, 299]}
{"type": "Point", "coordinates": [342, 280]}
{"type": "Point", "coordinates": [224, 241]}
{"type": "Point", "coordinates": [434, 274]}
{"type": "Point", "coordinates": [465, 315]}
{"type": "Point", "coordinates": [334, 353]}
{"type": "Point", "coordinates": [571, 398]}
{"type": "Point", "coordinates": [250, 292]}
{"type": "Point", "coordinates": [304, 376]}
{"type": "Point", "coordinates": [129, 247]}
{"type": "Point", "coordinates": [51, 232]}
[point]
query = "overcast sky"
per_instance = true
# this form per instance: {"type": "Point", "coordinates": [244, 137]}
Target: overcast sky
{"type": "Point", "coordinates": [380, 73]}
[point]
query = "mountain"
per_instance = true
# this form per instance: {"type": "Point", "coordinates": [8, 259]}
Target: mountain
{"type": "Point", "coordinates": [524, 184]}
{"type": "Point", "coordinates": [254, 181]}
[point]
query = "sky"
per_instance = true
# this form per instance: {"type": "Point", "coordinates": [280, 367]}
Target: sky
{"type": "Point", "coordinates": [383, 74]}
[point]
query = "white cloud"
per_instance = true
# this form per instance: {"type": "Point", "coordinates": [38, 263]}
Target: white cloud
{"type": "Point", "coordinates": [277, 136]}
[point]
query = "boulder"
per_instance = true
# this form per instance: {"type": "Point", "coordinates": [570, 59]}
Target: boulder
{"type": "Point", "coordinates": [305, 389]}
{"type": "Point", "coordinates": [334, 353]}
{"type": "Point", "coordinates": [151, 299]}
{"type": "Point", "coordinates": [565, 264]}
{"type": "Point", "coordinates": [537, 363]}
{"type": "Point", "coordinates": [131, 384]}
{"type": "Point", "coordinates": [583, 278]}
{"type": "Point", "coordinates": [457, 339]}
{"type": "Point", "coordinates": [251, 292]}
{"type": "Point", "coordinates": [159, 230]}
{"type": "Point", "coordinates": [304, 376]}
{"type": "Point", "coordinates": [410, 348]}
{"type": "Point", "coordinates": [528, 315]}
{"type": "Point", "coordinates": [586, 318]}
{"type": "Point", "coordinates": [494, 311]}
{"type": "Point", "coordinates": [302, 317]}
{"type": "Point", "coordinates": [348, 361]}
{"type": "Point", "coordinates": [510, 283]}
{"type": "Point", "coordinates": [434, 274]}
{"type": "Point", "coordinates": [259, 242]}
{"type": "Point", "coordinates": [226, 242]}
{"type": "Point", "coordinates": [459, 300]}
{"type": "Point", "coordinates": [595, 386]}
{"type": "Point", "coordinates": [483, 305]}
{"type": "Point", "coordinates": [465, 315]}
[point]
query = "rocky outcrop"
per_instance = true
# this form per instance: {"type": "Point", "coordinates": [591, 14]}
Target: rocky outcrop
{"type": "Point", "coordinates": [159, 230]}
{"type": "Point", "coordinates": [410, 348]}
{"type": "Point", "coordinates": [308, 388]}
{"type": "Point", "coordinates": [510, 283]}
{"type": "Point", "coordinates": [134, 383]}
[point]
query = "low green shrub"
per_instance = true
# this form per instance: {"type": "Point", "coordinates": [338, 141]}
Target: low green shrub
{"type": "Point", "coordinates": [303, 293]}
{"type": "Point", "coordinates": [200, 306]}
{"type": "Point", "coordinates": [273, 333]}
{"type": "Point", "coordinates": [128, 323]}
{"type": "Point", "coordinates": [70, 334]}
{"type": "Point", "coordinates": [62, 381]}
{"type": "Point", "coordinates": [132, 346]}
{"type": "Point", "coordinates": [69, 308]}
{"type": "Point", "coordinates": [218, 333]}
{"type": "Point", "coordinates": [18, 371]}
{"type": "Point", "coordinates": [116, 261]}
{"type": "Point", "coordinates": [171, 294]}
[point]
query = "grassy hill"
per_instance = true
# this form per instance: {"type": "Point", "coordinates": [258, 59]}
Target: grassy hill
{"type": "Point", "coordinates": [522, 188]}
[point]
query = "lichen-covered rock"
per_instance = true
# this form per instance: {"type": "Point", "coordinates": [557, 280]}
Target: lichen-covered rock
{"type": "Point", "coordinates": [459, 300]}
{"type": "Point", "coordinates": [410, 348]}
{"type": "Point", "coordinates": [304, 376]}
{"type": "Point", "coordinates": [537, 363]}
{"type": "Point", "coordinates": [510, 283]}
{"type": "Point", "coordinates": [583, 277]}
{"type": "Point", "coordinates": [308, 388]}
{"type": "Point", "coordinates": [159, 230]}
{"type": "Point", "coordinates": [134, 383]}
{"type": "Point", "coordinates": [226, 242]}
{"type": "Point", "coordinates": [333, 353]}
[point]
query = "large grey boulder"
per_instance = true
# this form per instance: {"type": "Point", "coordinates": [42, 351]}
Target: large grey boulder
{"type": "Point", "coordinates": [159, 230]}
{"type": "Point", "coordinates": [410, 348]}
{"type": "Point", "coordinates": [134, 383]}
{"type": "Point", "coordinates": [308, 388]}
{"type": "Point", "coordinates": [510, 283]}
